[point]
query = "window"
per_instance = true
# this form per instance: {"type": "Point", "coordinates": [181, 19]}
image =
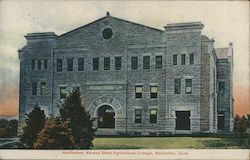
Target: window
{"type": "Point", "coordinates": [177, 86]}
{"type": "Point", "coordinates": [183, 59]}
{"type": "Point", "coordinates": [188, 89]}
{"type": "Point", "coordinates": [43, 88]}
{"type": "Point", "coordinates": [134, 62]}
{"type": "Point", "coordinates": [33, 62]}
{"type": "Point", "coordinates": [59, 65]}
{"type": "Point", "coordinates": [138, 115]}
{"type": "Point", "coordinates": [153, 91]}
{"type": "Point", "coordinates": [45, 64]}
{"type": "Point", "coordinates": [138, 91]}
{"type": "Point", "coordinates": [39, 64]}
{"type": "Point", "coordinates": [80, 64]}
{"type": "Point", "coordinates": [70, 64]}
{"type": "Point", "coordinates": [95, 64]}
{"type": "Point", "coordinates": [153, 115]}
{"type": "Point", "coordinates": [221, 87]}
{"type": "Point", "coordinates": [158, 62]}
{"type": "Point", "coordinates": [191, 59]}
{"type": "Point", "coordinates": [107, 33]}
{"type": "Point", "coordinates": [118, 63]}
{"type": "Point", "coordinates": [34, 88]}
{"type": "Point", "coordinates": [146, 62]}
{"type": "Point", "coordinates": [107, 63]}
{"type": "Point", "coordinates": [63, 92]}
{"type": "Point", "coordinates": [175, 59]}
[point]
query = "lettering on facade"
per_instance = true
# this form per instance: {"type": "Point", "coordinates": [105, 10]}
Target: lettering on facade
{"type": "Point", "coordinates": [106, 87]}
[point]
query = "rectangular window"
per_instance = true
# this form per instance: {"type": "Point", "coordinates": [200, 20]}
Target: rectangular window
{"type": "Point", "coordinates": [158, 62]}
{"type": "Point", "coordinates": [134, 62]}
{"type": "Point", "coordinates": [221, 87]}
{"type": "Point", "coordinates": [146, 62]}
{"type": "Point", "coordinates": [118, 63]}
{"type": "Point", "coordinates": [39, 64]}
{"type": "Point", "coordinates": [107, 63]}
{"type": "Point", "coordinates": [175, 59]}
{"type": "Point", "coordinates": [63, 93]}
{"type": "Point", "coordinates": [80, 64]}
{"type": "Point", "coordinates": [188, 89]}
{"type": "Point", "coordinates": [138, 115]}
{"type": "Point", "coordinates": [177, 86]}
{"type": "Point", "coordinates": [34, 88]}
{"type": "Point", "coordinates": [95, 64]}
{"type": "Point", "coordinates": [183, 59]}
{"type": "Point", "coordinates": [138, 91]}
{"type": "Point", "coordinates": [153, 115]}
{"type": "Point", "coordinates": [191, 59]}
{"type": "Point", "coordinates": [70, 64]}
{"type": "Point", "coordinates": [45, 64]}
{"type": "Point", "coordinates": [33, 63]}
{"type": "Point", "coordinates": [43, 88]}
{"type": "Point", "coordinates": [59, 65]}
{"type": "Point", "coordinates": [153, 91]}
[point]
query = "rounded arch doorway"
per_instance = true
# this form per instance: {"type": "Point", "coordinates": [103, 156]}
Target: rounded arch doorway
{"type": "Point", "coordinates": [106, 117]}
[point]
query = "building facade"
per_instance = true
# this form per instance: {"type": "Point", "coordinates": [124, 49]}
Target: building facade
{"type": "Point", "coordinates": [133, 79]}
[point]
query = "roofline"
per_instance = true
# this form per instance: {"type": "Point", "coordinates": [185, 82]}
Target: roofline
{"type": "Point", "coordinates": [139, 24]}
{"type": "Point", "coordinates": [112, 17]}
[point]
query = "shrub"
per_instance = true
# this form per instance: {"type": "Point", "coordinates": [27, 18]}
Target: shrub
{"type": "Point", "coordinates": [240, 124]}
{"type": "Point", "coordinates": [79, 120]}
{"type": "Point", "coordinates": [34, 123]}
{"type": "Point", "coordinates": [8, 128]}
{"type": "Point", "coordinates": [54, 135]}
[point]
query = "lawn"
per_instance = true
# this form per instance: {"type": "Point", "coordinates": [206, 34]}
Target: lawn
{"type": "Point", "coordinates": [214, 142]}
{"type": "Point", "coordinates": [166, 143]}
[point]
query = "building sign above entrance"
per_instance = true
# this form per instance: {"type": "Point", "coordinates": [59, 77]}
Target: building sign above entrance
{"type": "Point", "coordinates": [115, 87]}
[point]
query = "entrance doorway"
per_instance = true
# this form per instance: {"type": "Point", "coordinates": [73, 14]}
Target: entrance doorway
{"type": "Point", "coordinates": [106, 117]}
{"type": "Point", "coordinates": [221, 121]}
{"type": "Point", "coordinates": [182, 120]}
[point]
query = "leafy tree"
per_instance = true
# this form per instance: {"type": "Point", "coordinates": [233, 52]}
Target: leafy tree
{"type": "Point", "coordinates": [248, 121]}
{"type": "Point", "coordinates": [34, 123]}
{"type": "Point", "coordinates": [54, 135]}
{"type": "Point", "coordinates": [13, 127]}
{"type": "Point", "coordinates": [240, 124]}
{"type": "Point", "coordinates": [78, 119]}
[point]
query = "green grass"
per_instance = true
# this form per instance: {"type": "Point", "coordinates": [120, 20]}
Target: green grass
{"type": "Point", "coordinates": [195, 142]}
{"type": "Point", "coordinates": [161, 143]}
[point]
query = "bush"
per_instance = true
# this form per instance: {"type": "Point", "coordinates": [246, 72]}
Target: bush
{"type": "Point", "coordinates": [240, 124]}
{"type": "Point", "coordinates": [8, 128]}
{"type": "Point", "coordinates": [79, 120]}
{"type": "Point", "coordinates": [54, 135]}
{"type": "Point", "coordinates": [34, 123]}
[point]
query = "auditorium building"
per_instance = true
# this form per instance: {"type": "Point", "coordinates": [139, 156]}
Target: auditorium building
{"type": "Point", "coordinates": [133, 79]}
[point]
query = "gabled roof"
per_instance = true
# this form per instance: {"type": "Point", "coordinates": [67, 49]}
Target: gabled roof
{"type": "Point", "coordinates": [222, 53]}
{"type": "Point", "coordinates": [108, 15]}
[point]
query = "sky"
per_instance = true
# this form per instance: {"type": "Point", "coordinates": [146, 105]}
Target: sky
{"type": "Point", "coordinates": [225, 21]}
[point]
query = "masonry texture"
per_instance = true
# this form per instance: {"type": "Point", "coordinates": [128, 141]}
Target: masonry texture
{"type": "Point", "coordinates": [133, 79]}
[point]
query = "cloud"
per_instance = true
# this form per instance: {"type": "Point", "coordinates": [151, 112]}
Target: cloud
{"type": "Point", "coordinates": [226, 21]}
{"type": "Point", "coordinates": [241, 99]}
{"type": "Point", "coordinates": [9, 102]}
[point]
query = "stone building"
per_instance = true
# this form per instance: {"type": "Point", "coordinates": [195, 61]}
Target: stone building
{"type": "Point", "coordinates": [133, 79]}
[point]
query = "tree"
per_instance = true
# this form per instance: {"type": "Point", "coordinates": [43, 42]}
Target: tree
{"type": "Point", "coordinates": [34, 123]}
{"type": "Point", "coordinates": [248, 120]}
{"type": "Point", "coordinates": [54, 135]}
{"type": "Point", "coordinates": [78, 119]}
{"type": "Point", "coordinates": [240, 124]}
